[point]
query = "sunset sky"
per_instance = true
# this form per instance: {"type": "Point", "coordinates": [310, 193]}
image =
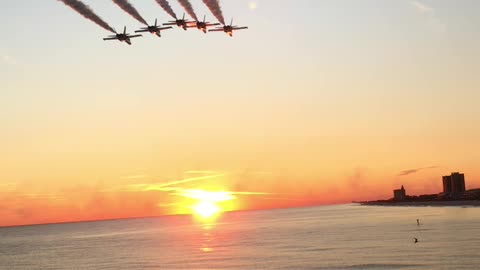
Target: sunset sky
{"type": "Point", "coordinates": [318, 102]}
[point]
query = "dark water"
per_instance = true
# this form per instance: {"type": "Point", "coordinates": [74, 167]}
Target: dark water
{"type": "Point", "coordinates": [332, 237]}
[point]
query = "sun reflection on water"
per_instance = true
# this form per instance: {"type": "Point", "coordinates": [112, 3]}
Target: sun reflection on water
{"type": "Point", "coordinates": [207, 237]}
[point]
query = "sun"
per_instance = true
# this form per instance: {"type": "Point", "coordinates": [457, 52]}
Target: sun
{"type": "Point", "coordinates": [206, 209]}
{"type": "Point", "coordinates": [206, 205]}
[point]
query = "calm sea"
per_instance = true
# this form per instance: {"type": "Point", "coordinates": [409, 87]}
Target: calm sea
{"type": "Point", "coordinates": [330, 237]}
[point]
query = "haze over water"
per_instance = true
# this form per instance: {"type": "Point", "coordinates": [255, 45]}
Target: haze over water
{"type": "Point", "coordinates": [330, 237]}
{"type": "Point", "coordinates": [316, 101]}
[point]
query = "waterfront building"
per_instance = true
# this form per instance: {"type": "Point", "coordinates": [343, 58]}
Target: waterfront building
{"type": "Point", "coordinates": [399, 194]}
{"type": "Point", "coordinates": [454, 184]}
{"type": "Point", "coordinates": [458, 183]}
{"type": "Point", "coordinates": [447, 184]}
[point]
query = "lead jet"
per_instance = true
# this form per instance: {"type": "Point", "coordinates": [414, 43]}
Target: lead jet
{"type": "Point", "coordinates": [122, 37]}
{"type": "Point", "coordinates": [154, 29]}
{"type": "Point", "coordinates": [202, 26]}
{"type": "Point", "coordinates": [228, 29]}
{"type": "Point", "coordinates": [182, 23]}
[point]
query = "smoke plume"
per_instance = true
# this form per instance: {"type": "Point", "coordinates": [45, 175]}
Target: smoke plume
{"type": "Point", "coordinates": [214, 7]}
{"type": "Point", "coordinates": [88, 13]}
{"type": "Point", "coordinates": [127, 7]}
{"type": "Point", "coordinates": [188, 8]}
{"type": "Point", "coordinates": [166, 6]}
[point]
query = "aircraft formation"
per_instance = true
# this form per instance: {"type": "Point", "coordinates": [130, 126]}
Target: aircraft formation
{"type": "Point", "coordinates": [157, 28]}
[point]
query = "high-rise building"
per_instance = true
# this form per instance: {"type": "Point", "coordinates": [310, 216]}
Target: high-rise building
{"type": "Point", "coordinates": [458, 183]}
{"type": "Point", "coordinates": [454, 184]}
{"type": "Point", "coordinates": [447, 184]}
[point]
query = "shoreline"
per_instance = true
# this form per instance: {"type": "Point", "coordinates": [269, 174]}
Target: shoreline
{"type": "Point", "coordinates": [472, 203]}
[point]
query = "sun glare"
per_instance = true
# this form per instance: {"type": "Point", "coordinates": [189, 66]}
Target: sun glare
{"type": "Point", "coordinates": [208, 204]}
{"type": "Point", "coordinates": [209, 196]}
{"type": "Point", "coordinates": [206, 209]}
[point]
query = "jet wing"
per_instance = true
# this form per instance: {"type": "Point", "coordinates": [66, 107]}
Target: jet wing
{"type": "Point", "coordinates": [134, 36]}
{"type": "Point", "coordinates": [110, 38]}
{"type": "Point", "coordinates": [142, 31]}
{"type": "Point", "coordinates": [164, 28]}
{"type": "Point", "coordinates": [170, 23]}
{"type": "Point", "coordinates": [213, 24]}
{"type": "Point", "coordinates": [216, 30]}
{"type": "Point", "coordinates": [239, 28]}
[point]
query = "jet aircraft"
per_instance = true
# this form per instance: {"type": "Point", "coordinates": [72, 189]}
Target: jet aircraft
{"type": "Point", "coordinates": [182, 23]}
{"type": "Point", "coordinates": [122, 36]}
{"type": "Point", "coordinates": [154, 29]}
{"type": "Point", "coordinates": [228, 29]}
{"type": "Point", "coordinates": [202, 26]}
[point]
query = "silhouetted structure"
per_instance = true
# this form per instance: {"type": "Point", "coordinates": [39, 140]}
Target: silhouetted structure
{"type": "Point", "coordinates": [399, 194]}
{"type": "Point", "coordinates": [447, 184]}
{"type": "Point", "coordinates": [454, 193]}
{"type": "Point", "coordinates": [454, 184]}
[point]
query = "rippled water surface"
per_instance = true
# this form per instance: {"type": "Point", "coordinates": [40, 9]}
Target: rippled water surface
{"type": "Point", "coordinates": [330, 237]}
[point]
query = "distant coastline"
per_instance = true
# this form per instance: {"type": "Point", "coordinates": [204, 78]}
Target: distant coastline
{"type": "Point", "coordinates": [473, 203]}
{"type": "Point", "coordinates": [454, 194]}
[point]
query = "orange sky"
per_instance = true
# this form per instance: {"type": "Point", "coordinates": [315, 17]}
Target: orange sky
{"type": "Point", "coordinates": [138, 196]}
{"type": "Point", "coordinates": [317, 102]}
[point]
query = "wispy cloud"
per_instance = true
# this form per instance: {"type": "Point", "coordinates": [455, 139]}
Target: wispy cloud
{"type": "Point", "coordinates": [413, 171]}
{"type": "Point", "coordinates": [162, 186]}
{"type": "Point", "coordinates": [7, 184]}
{"type": "Point", "coordinates": [215, 196]}
{"type": "Point", "coordinates": [9, 60]}
{"type": "Point", "coordinates": [174, 188]}
{"type": "Point", "coordinates": [202, 172]}
{"type": "Point", "coordinates": [429, 13]}
{"type": "Point", "coordinates": [139, 176]}
{"type": "Point", "coordinates": [167, 205]}
{"type": "Point", "coordinates": [41, 196]}
{"type": "Point", "coordinates": [421, 7]}
{"type": "Point", "coordinates": [7, 187]}
{"type": "Point", "coordinates": [167, 186]}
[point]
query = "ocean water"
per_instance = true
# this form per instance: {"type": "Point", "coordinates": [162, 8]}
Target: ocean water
{"type": "Point", "coordinates": [329, 237]}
